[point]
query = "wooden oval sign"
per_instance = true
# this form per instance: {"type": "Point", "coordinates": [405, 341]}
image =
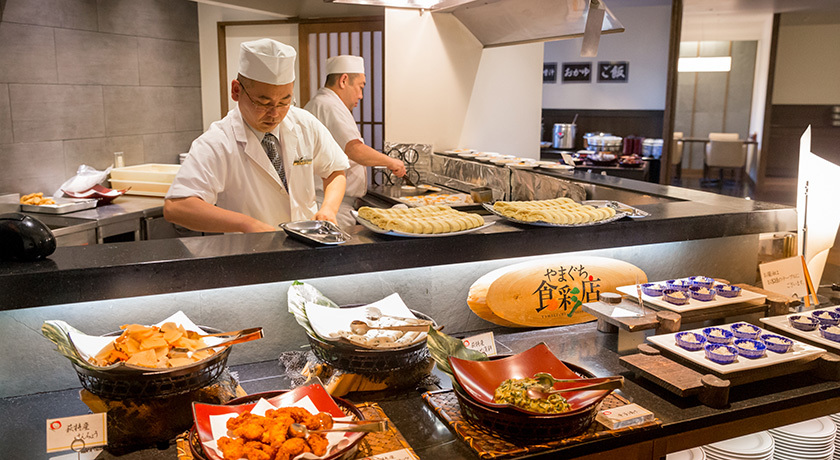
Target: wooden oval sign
{"type": "Point", "coordinates": [549, 292]}
{"type": "Point", "coordinates": [477, 298]}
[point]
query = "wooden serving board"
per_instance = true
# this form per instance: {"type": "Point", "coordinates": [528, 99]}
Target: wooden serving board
{"type": "Point", "coordinates": [548, 291]}
{"type": "Point", "coordinates": [683, 380]}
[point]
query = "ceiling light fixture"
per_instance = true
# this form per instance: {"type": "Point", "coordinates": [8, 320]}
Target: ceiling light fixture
{"type": "Point", "coordinates": [705, 64]}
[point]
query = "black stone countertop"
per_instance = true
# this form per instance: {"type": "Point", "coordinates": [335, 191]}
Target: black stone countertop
{"type": "Point", "coordinates": [759, 405]}
{"type": "Point", "coordinates": [118, 270]}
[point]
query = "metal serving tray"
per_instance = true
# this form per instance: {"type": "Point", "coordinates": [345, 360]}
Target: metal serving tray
{"type": "Point", "coordinates": [61, 206]}
{"type": "Point", "coordinates": [318, 231]}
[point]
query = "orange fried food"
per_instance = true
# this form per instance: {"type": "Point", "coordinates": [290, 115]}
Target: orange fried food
{"type": "Point", "coordinates": [232, 449]}
{"type": "Point", "coordinates": [299, 414]}
{"type": "Point", "coordinates": [318, 443]}
{"type": "Point", "coordinates": [255, 450]}
{"type": "Point", "coordinates": [296, 446]}
{"type": "Point", "coordinates": [325, 421]}
{"type": "Point", "coordinates": [277, 431]}
{"type": "Point", "coordinates": [268, 438]}
{"type": "Point", "coordinates": [252, 429]}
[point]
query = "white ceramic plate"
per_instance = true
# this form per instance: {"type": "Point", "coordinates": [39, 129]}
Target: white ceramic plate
{"type": "Point", "coordinates": [781, 323]}
{"type": "Point", "coordinates": [798, 351]}
{"type": "Point", "coordinates": [524, 165]}
{"type": "Point", "coordinates": [690, 454]}
{"type": "Point", "coordinates": [693, 304]}
{"type": "Point", "coordinates": [369, 225]}
{"type": "Point", "coordinates": [756, 444]}
{"type": "Point", "coordinates": [814, 429]}
{"type": "Point", "coordinates": [560, 167]}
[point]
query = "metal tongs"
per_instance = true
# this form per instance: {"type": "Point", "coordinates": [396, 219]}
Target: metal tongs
{"type": "Point", "coordinates": [245, 335]}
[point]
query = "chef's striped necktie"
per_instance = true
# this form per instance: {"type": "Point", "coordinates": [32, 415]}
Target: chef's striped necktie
{"type": "Point", "coordinates": [269, 143]}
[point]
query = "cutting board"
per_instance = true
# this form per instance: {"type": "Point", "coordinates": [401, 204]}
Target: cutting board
{"type": "Point", "coordinates": [548, 291]}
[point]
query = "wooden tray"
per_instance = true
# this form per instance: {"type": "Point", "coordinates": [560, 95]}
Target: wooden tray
{"type": "Point", "coordinates": [684, 381]}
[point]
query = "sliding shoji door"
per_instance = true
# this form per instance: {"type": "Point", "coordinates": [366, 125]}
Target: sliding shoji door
{"type": "Point", "coordinates": [358, 36]}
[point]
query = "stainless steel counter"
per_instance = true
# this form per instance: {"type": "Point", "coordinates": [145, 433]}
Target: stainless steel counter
{"type": "Point", "coordinates": [127, 215]}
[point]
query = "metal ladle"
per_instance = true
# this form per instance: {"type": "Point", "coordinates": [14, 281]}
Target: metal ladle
{"type": "Point", "coordinates": [613, 383]}
{"type": "Point", "coordinates": [361, 327]}
{"type": "Point", "coordinates": [298, 430]}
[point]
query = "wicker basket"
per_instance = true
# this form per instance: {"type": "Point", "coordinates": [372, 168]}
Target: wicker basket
{"type": "Point", "coordinates": [516, 425]}
{"type": "Point", "coordinates": [128, 382]}
{"type": "Point", "coordinates": [401, 367]}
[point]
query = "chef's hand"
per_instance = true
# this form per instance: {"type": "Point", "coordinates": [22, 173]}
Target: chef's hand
{"type": "Point", "coordinates": [324, 214]}
{"type": "Point", "coordinates": [396, 166]}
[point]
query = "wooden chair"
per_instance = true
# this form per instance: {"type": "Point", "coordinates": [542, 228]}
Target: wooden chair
{"type": "Point", "coordinates": [723, 136]}
{"type": "Point", "coordinates": [725, 154]}
{"type": "Point", "coordinates": [677, 154]}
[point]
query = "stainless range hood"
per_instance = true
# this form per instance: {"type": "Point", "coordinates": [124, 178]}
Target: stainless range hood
{"type": "Point", "coordinates": [511, 22]}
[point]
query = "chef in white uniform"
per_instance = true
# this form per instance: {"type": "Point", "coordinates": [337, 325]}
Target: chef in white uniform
{"type": "Point", "coordinates": [256, 168]}
{"type": "Point", "coordinates": [333, 105]}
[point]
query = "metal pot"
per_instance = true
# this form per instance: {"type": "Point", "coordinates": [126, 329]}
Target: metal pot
{"type": "Point", "coordinates": [563, 135]}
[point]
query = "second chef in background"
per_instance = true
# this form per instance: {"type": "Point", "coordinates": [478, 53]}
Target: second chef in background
{"type": "Point", "coordinates": [256, 168]}
{"type": "Point", "coordinates": [333, 105]}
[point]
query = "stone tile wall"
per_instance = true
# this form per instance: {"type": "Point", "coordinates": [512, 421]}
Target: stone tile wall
{"type": "Point", "coordinates": [82, 79]}
{"type": "Point", "coordinates": [714, 102]}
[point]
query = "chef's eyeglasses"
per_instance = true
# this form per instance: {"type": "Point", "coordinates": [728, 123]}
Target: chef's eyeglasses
{"type": "Point", "coordinates": [265, 107]}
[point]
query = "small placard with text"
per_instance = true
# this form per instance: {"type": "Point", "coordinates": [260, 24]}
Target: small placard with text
{"type": "Point", "coordinates": [484, 343]}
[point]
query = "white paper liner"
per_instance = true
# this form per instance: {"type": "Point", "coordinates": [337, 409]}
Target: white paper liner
{"type": "Point", "coordinates": [334, 323]}
{"type": "Point", "coordinates": [218, 427]}
{"type": "Point", "coordinates": [90, 345]}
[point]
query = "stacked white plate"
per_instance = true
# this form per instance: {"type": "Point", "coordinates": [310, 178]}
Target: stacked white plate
{"type": "Point", "coordinates": [836, 419]}
{"type": "Point", "coordinates": [756, 446]}
{"type": "Point", "coordinates": [690, 454]}
{"type": "Point", "coordinates": [808, 440]}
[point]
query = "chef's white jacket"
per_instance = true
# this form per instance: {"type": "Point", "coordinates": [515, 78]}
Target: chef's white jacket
{"type": "Point", "coordinates": [331, 111]}
{"type": "Point", "coordinates": [228, 167]}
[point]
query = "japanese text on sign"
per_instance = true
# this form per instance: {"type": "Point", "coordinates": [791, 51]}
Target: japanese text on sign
{"type": "Point", "coordinates": [402, 454]}
{"type": "Point", "coordinates": [615, 72]}
{"type": "Point", "coordinates": [577, 72]}
{"type": "Point", "coordinates": [786, 277]}
{"type": "Point", "coordinates": [484, 343]}
{"type": "Point", "coordinates": [550, 72]}
{"type": "Point", "coordinates": [558, 291]}
{"type": "Point", "coordinates": [76, 433]}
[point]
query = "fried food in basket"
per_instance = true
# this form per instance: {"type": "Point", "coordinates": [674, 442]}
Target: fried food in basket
{"type": "Point", "coordinates": [151, 346]}
{"type": "Point", "coordinates": [36, 199]}
{"type": "Point", "coordinates": [258, 437]}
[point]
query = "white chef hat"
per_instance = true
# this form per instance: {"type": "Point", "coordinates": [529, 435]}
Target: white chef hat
{"type": "Point", "coordinates": [267, 61]}
{"type": "Point", "coordinates": [345, 64]}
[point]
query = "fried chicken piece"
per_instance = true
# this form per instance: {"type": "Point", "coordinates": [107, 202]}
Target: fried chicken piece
{"type": "Point", "coordinates": [282, 454]}
{"type": "Point", "coordinates": [296, 446]}
{"type": "Point", "coordinates": [300, 414]}
{"type": "Point", "coordinates": [232, 449]}
{"type": "Point", "coordinates": [277, 431]}
{"type": "Point", "coordinates": [324, 419]}
{"type": "Point", "coordinates": [252, 429]}
{"type": "Point", "coordinates": [318, 443]}
{"type": "Point", "coordinates": [255, 450]}
{"type": "Point", "coordinates": [234, 422]}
